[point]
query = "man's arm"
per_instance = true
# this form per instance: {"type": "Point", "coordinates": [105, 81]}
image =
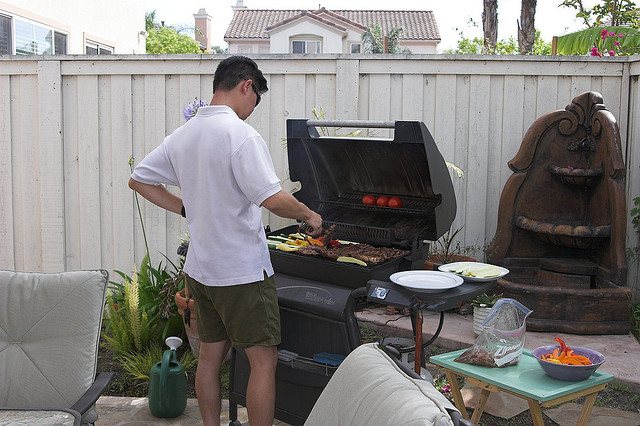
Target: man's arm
{"type": "Point", "coordinates": [158, 195]}
{"type": "Point", "coordinates": [286, 205]}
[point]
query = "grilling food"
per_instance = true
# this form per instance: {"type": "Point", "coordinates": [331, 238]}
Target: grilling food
{"type": "Point", "coordinates": [382, 201]}
{"type": "Point", "coordinates": [395, 202]}
{"type": "Point", "coordinates": [339, 250]}
{"type": "Point", "coordinates": [364, 252]}
{"type": "Point", "coordinates": [369, 200]}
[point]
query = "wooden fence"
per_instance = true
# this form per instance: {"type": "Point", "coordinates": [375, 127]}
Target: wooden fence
{"type": "Point", "coordinates": [68, 125]}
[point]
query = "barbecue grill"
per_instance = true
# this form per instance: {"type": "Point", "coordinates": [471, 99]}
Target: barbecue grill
{"type": "Point", "coordinates": [318, 295]}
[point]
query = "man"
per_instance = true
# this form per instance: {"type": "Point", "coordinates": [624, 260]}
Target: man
{"type": "Point", "coordinates": [225, 173]}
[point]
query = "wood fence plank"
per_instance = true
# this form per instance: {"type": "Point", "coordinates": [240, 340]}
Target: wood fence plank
{"type": "Point", "coordinates": [71, 157]}
{"type": "Point", "coordinates": [51, 165]}
{"type": "Point", "coordinates": [7, 207]}
{"type": "Point", "coordinates": [88, 181]}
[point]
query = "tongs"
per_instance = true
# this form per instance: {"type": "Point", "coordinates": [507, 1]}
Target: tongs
{"type": "Point", "coordinates": [325, 233]}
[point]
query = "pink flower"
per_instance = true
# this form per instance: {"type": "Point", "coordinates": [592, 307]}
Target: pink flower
{"type": "Point", "coordinates": [620, 35]}
{"type": "Point", "coordinates": [604, 37]}
{"type": "Point", "coordinates": [616, 43]}
{"type": "Point", "coordinates": [594, 52]}
{"type": "Point", "coordinates": [612, 34]}
{"type": "Point", "coordinates": [446, 388]}
{"type": "Point", "coordinates": [612, 53]}
{"type": "Point", "coordinates": [604, 32]}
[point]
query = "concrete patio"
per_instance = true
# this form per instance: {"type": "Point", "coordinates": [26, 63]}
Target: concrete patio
{"type": "Point", "coordinates": [622, 351]}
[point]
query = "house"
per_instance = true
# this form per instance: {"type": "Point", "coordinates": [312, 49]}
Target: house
{"type": "Point", "coordinates": [45, 27]}
{"type": "Point", "coordinates": [325, 31]}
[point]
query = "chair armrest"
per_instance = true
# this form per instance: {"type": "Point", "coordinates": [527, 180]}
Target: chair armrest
{"type": "Point", "coordinates": [458, 420]}
{"type": "Point", "coordinates": [92, 394]}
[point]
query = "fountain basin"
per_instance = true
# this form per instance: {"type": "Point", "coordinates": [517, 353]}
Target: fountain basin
{"type": "Point", "coordinates": [576, 177]}
{"type": "Point", "coordinates": [603, 308]}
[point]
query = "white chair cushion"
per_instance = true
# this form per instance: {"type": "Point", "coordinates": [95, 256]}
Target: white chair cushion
{"type": "Point", "coordinates": [49, 336]}
{"type": "Point", "coordinates": [370, 389]}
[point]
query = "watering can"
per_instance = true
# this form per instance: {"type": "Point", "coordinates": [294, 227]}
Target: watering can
{"type": "Point", "coordinates": [168, 383]}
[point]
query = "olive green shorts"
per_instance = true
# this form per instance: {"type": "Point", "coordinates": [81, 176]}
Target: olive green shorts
{"type": "Point", "coordinates": [245, 314]}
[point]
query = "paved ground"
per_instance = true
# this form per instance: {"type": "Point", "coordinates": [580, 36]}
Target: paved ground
{"type": "Point", "coordinates": [622, 352]}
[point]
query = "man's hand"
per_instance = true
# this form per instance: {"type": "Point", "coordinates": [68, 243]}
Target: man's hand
{"type": "Point", "coordinates": [286, 205]}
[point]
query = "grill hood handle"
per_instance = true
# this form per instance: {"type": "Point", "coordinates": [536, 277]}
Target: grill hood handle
{"type": "Point", "coordinates": [352, 123]}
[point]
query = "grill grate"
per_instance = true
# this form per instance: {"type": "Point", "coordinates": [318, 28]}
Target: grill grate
{"type": "Point", "coordinates": [362, 234]}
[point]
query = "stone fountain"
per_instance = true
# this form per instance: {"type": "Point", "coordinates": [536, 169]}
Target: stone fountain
{"type": "Point", "coordinates": [562, 223]}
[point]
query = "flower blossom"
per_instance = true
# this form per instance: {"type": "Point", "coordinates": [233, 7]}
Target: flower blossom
{"type": "Point", "coordinates": [191, 110]}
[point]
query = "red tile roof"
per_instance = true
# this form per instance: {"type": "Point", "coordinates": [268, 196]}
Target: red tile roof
{"type": "Point", "coordinates": [253, 23]}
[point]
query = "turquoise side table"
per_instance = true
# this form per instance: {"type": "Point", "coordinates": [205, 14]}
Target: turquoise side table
{"type": "Point", "coordinates": [525, 380]}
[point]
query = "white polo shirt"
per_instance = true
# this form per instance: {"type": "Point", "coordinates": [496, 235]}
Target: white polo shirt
{"type": "Point", "coordinates": [224, 170]}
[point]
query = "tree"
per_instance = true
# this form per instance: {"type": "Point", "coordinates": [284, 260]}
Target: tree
{"type": "Point", "coordinates": [373, 40]}
{"type": "Point", "coordinates": [490, 25]}
{"type": "Point", "coordinates": [171, 39]}
{"type": "Point", "coordinates": [612, 29]}
{"type": "Point", "coordinates": [167, 40]}
{"type": "Point", "coordinates": [475, 46]}
{"type": "Point", "coordinates": [613, 13]}
{"type": "Point", "coordinates": [526, 27]}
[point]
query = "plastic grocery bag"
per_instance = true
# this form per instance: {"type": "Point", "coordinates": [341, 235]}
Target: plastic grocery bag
{"type": "Point", "coordinates": [501, 341]}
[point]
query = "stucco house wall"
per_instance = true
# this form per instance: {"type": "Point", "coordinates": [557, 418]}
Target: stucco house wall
{"type": "Point", "coordinates": [103, 23]}
{"type": "Point", "coordinates": [305, 29]}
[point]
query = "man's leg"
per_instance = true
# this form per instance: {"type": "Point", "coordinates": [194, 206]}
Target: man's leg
{"type": "Point", "coordinates": [261, 389]}
{"type": "Point", "coordinates": [208, 380]}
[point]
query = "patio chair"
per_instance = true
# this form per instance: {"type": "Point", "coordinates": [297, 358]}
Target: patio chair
{"type": "Point", "coordinates": [49, 334]}
{"type": "Point", "coordinates": [372, 388]}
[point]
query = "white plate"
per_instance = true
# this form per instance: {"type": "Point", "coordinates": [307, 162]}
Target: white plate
{"type": "Point", "coordinates": [426, 281]}
{"type": "Point", "coordinates": [449, 266]}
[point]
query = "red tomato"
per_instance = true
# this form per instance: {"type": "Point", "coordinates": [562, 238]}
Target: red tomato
{"type": "Point", "coordinates": [395, 202]}
{"type": "Point", "coordinates": [382, 201]}
{"type": "Point", "coordinates": [369, 200]}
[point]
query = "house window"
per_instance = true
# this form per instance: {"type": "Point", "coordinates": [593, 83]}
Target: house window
{"type": "Point", "coordinates": [29, 38]}
{"type": "Point", "coordinates": [5, 35]}
{"type": "Point", "coordinates": [306, 46]}
{"type": "Point", "coordinates": [95, 48]}
{"type": "Point", "coordinates": [32, 39]}
{"type": "Point", "coordinates": [355, 47]}
{"type": "Point", "coordinates": [60, 43]}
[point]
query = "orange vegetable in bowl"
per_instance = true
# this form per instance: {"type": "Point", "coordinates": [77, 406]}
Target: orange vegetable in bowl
{"type": "Point", "coordinates": [565, 355]}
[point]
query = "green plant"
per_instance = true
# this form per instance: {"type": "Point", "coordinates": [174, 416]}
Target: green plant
{"type": "Point", "coordinates": [634, 252]}
{"type": "Point", "coordinates": [130, 329]}
{"type": "Point", "coordinates": [443, 386]}
{"type": "Point", "coordinates": [143, 303]}
{"type": "Point", "coordinates": [447, 248]}
{"type": "Point", "coordinates": [635, 320]}
{"type": "Point", "coordinates": [373, 40]}
{"type": "Point", "coordinates": [139, 364]}
{"type": "Point", "coordinates": [485, 300]}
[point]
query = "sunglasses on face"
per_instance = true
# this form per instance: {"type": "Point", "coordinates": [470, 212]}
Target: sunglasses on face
{"type": "Point", "coordinates": [253, 86]}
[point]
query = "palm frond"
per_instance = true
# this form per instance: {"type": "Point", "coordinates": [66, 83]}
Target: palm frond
{"type": "Point", "coordinates": [581, 42]}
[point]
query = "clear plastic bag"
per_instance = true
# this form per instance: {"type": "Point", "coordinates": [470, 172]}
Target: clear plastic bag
{"type": "Point", "coordinates": [501, 341]}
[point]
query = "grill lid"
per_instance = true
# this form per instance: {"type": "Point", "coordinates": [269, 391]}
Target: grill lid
{"type": "Point", "coordinates": [336, 172]}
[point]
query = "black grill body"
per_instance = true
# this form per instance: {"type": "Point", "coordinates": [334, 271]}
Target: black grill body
{"type": "Point", "coordinates": [318, 296]}
{"type": "Point", "coordinates": [316, 317]}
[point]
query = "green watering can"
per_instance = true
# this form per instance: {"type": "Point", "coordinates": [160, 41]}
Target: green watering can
{"type": "Point", "coordinates": [168, 383]}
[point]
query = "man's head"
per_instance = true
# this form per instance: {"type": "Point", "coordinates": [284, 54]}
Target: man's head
{"type": "Point", "coordinates": [236, 69]}
{"type": "Point", "coordinates": [240, 75]}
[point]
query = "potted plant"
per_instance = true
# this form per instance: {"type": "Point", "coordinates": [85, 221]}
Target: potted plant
{"type": "Point", "coordinates": [482, 304]}
{"type": "Point", "coordinates": [448, 250]}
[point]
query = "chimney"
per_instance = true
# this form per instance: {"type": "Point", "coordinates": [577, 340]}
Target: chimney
{"type": "Point", "coordinates": [239, 5]}
{"type": "Point", "coordinates": [203, 29]}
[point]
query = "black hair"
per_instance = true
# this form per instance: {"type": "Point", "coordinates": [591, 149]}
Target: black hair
{"type": "Point", "coordinates": [228, 73]}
